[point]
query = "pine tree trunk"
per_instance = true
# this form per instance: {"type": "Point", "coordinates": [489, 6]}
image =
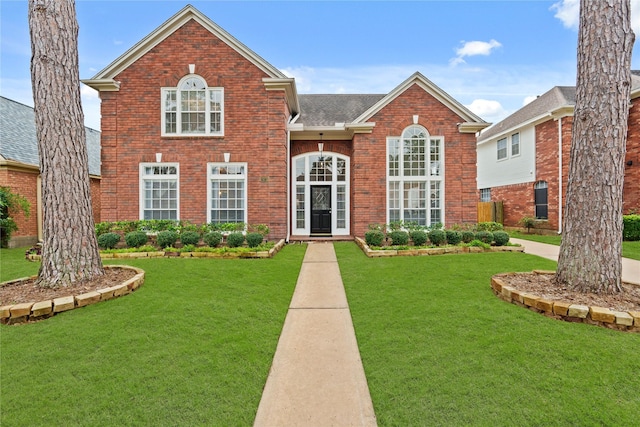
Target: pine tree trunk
{"type": "Point", "coordinates": [591, 251]}
{"type": "Point", "coordinates": [70, 251]}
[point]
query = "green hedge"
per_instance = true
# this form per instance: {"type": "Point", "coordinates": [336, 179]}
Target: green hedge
{"type": "Point", "coordinates": [631, 227]}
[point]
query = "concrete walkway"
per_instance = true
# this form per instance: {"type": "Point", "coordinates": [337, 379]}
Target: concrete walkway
{"type": "Point", "coordinates": [630, 267]}
{"type": "Point", "coordinates": [317, 378]}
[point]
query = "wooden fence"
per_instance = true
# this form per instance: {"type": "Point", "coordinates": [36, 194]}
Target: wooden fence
{"type": "Point", "coordinates": [490, 211]}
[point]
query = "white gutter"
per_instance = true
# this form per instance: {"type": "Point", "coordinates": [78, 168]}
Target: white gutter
{"type": "Point", "coordinates": [288, 166]}
{"type": "Point", "coordinates": [560, 175]}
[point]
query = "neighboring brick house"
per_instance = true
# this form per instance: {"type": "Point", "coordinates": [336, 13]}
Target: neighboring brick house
{"type": "Point", "coordinates": [197, 127]}
{"type": "Point", "coordinates": [20, 167]}
{"type": "Point", "coordinates": [523, 160]}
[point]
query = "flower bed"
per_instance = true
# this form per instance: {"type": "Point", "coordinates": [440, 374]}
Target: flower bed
{"type": "Point", "coordinates": [408, 251]}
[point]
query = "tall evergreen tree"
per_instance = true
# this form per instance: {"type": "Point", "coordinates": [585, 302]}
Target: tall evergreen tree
{"type": "Point", "coordinates": [70, 249]}
{"type": "Point", "coordinates": [591, 251]}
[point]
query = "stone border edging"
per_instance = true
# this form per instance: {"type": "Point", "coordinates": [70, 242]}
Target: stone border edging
{"type": "Point", "coordinates": [593, 315]}
{"type": "Point", "coordinates": [23, 312]}
{"type": "Point", "coordinates": [158, 254]}
{"type": "Point", "coordinates": [432, 251]}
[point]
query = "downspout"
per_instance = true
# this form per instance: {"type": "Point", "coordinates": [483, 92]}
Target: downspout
{"type": "Point", "coordinates": [288, 166]}
{"type": "Point", "coordinates": [560, 175]}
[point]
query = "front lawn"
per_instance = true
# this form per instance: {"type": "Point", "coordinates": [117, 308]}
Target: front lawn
{"type": "Point", "coordinates": [192, 346]}
{"type": "Point", "coordinates": [440, 349]}
{"type": "Point", "coordinates": [629, 249]}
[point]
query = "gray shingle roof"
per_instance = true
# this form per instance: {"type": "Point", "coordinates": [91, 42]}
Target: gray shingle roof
{"type": "Point", "coordinates": [327, 110]}
{"type": "Point", "coordinates": [558, 96]}
{"type": "Point", "coordinates": [18, 140]}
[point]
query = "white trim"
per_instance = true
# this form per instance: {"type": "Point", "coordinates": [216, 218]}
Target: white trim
{"type": "Point", "coordinates": [142, 180]}
{"type": "Point", "coordinates": [244, 177]}
{"type": "Point", "coordinates": [169, 27]}
{"type": "Point", "coordinates": [429, 87]}
{"type": "Point", "coordinates": [427, 178]}
{"type": "Point", "coordinates": [208, 90]}
{"type": "Point", "coordinates": [334, 183]}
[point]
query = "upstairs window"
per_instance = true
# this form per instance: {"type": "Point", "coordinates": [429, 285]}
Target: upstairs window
{"type": "Point", "coordinates": [502, 149]}
{"type": "Point", "coordinates": [193, 108]}
{"type": "Point", "coordinates": [515, 144]}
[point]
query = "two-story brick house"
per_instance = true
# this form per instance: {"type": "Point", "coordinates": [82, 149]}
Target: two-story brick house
{"type": "Point", "coordinates": [523, 161]}
{"type": "Point", "coordinates": [196, 126]}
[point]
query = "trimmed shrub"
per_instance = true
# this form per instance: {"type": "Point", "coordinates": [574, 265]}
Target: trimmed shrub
{"type": "Point", "coordinates": [453, 237]}
{"type": "Point", "coordinates": [631, 227]}
{"type": "Point", "coordinates": [485, 237]}
{"type": "Point", "coordinates": [399, 238]}
{"type": "Point", "coordinates": [212, 239]}
{"type": "Point", "coordinates": [108, 240]}
{"type": "Point", "coordinates": [189, 237]}
{"type": "Point", "coordinates": [135, 239]}
{"type": "Point", "coordinates": [254, 239]}
{"type": "Point", "coordinates": [468, 236]}
{"type": "Point", "coordinates": [419, 237]}
{"type": "Point", "coordinates": [374, 237]}
{"type": "Point", "coordinates": [235, 240]}
{"type": "Point", "coordinates": [166, 238]}
{"type": "Point", "coordinates": [501, 238]}
{"type": "Point", "coordinates": [437, 237]}
{"type": "Point", "coordinates": [489, 226]}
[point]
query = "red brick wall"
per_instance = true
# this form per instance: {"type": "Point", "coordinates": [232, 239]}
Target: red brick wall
{"type": "Point", "coordinates": [254, 124]}
{"type": "Point", "coordinates": [25, 183]}
{"type": "Point", "coordinates": [368, 162]}
{"type": "Point", "coordinates": [631, 196]}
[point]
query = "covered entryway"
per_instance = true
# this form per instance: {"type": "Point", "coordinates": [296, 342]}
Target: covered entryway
{"type": "Point", "coordinates": [320, 194]}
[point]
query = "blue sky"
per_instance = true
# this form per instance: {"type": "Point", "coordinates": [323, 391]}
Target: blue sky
{"type": "Point", "coordinates": [492, 56]}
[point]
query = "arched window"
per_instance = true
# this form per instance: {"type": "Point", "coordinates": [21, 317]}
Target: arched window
{"type": "Point", "coordinates": [541, 200]}
{"type": "Point", "coordinates": [415, 175]}
{"type": "Point", "coordinates": [192, 108]}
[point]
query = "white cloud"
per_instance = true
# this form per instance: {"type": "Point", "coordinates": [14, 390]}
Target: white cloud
{"type": "Point", "coordinates": [487, 109]}
{"type": "Point", "coordinates": [568, 11]}
{"type": "Point", "coordinates": [474, 48]}
{"type": "Point", "coordinates": [529, 99]}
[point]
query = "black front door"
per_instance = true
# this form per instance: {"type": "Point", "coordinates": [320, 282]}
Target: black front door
{"type": "Point", "coordinates": [321, 209]}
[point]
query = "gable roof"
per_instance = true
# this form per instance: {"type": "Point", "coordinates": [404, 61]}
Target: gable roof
{"type": "Point", "coordinates": [540, 108]}
{"type": "Point", "coordinates": [472, 123]}
{"type": "Point", "coordinates": [559, 99]}
{"type": "Point", "coordinates": [327, 110]}
{"type": "Point", "coordinates": [18, 141]}
{"type": "Point", "coordinates": [165, 30]}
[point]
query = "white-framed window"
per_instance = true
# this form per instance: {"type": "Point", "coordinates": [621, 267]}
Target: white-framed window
{"type": "Point", "coordinates": [502, 149]}
{"type": "Point", "coordinates": [515, 144]}
{"type": "Point", "coordinates": [415, 181]}
{"type": "Point", "coordinates": [192, 108]}
{"type": "Point", "coordinates": [159, 193]}
{"type": "Point", "coordinates": [485, 194]}
{"type": "Point", "coordinates": [227, 190]}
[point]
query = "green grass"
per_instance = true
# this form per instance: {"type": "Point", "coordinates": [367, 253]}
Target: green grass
{"type": "Point", "coordinates": [193, 346]}
{"type": "Point", "coordinates": [629, 249]}
{"type": "Point", "coordinates": [440, 349]}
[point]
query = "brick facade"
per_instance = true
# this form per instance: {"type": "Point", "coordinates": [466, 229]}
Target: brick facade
{"type": "Point", "coordinates": [519, 199]}
{"type": "Point", "coordinates": [254, 121]}
{"type": "Point", "coordinates": [256, 132]}
{"type": "Point", "coordinates": [24, 181]}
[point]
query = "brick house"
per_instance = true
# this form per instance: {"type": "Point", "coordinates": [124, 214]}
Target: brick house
{"type": "Point", "coordinates": [197, 127]}
{"type": "Point", "coordinates": [20, 168]}
{"type": "Point", "coordinates": [523, 160]}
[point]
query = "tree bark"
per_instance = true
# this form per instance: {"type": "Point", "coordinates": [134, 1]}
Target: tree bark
{"type": "Point", "coordinates": [591, 251]}
{"type": "Point", "coordinates": [70, 250]}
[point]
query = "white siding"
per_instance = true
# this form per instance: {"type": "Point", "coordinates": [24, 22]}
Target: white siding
{"type": "Point", "coordinates": [512, 170]}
